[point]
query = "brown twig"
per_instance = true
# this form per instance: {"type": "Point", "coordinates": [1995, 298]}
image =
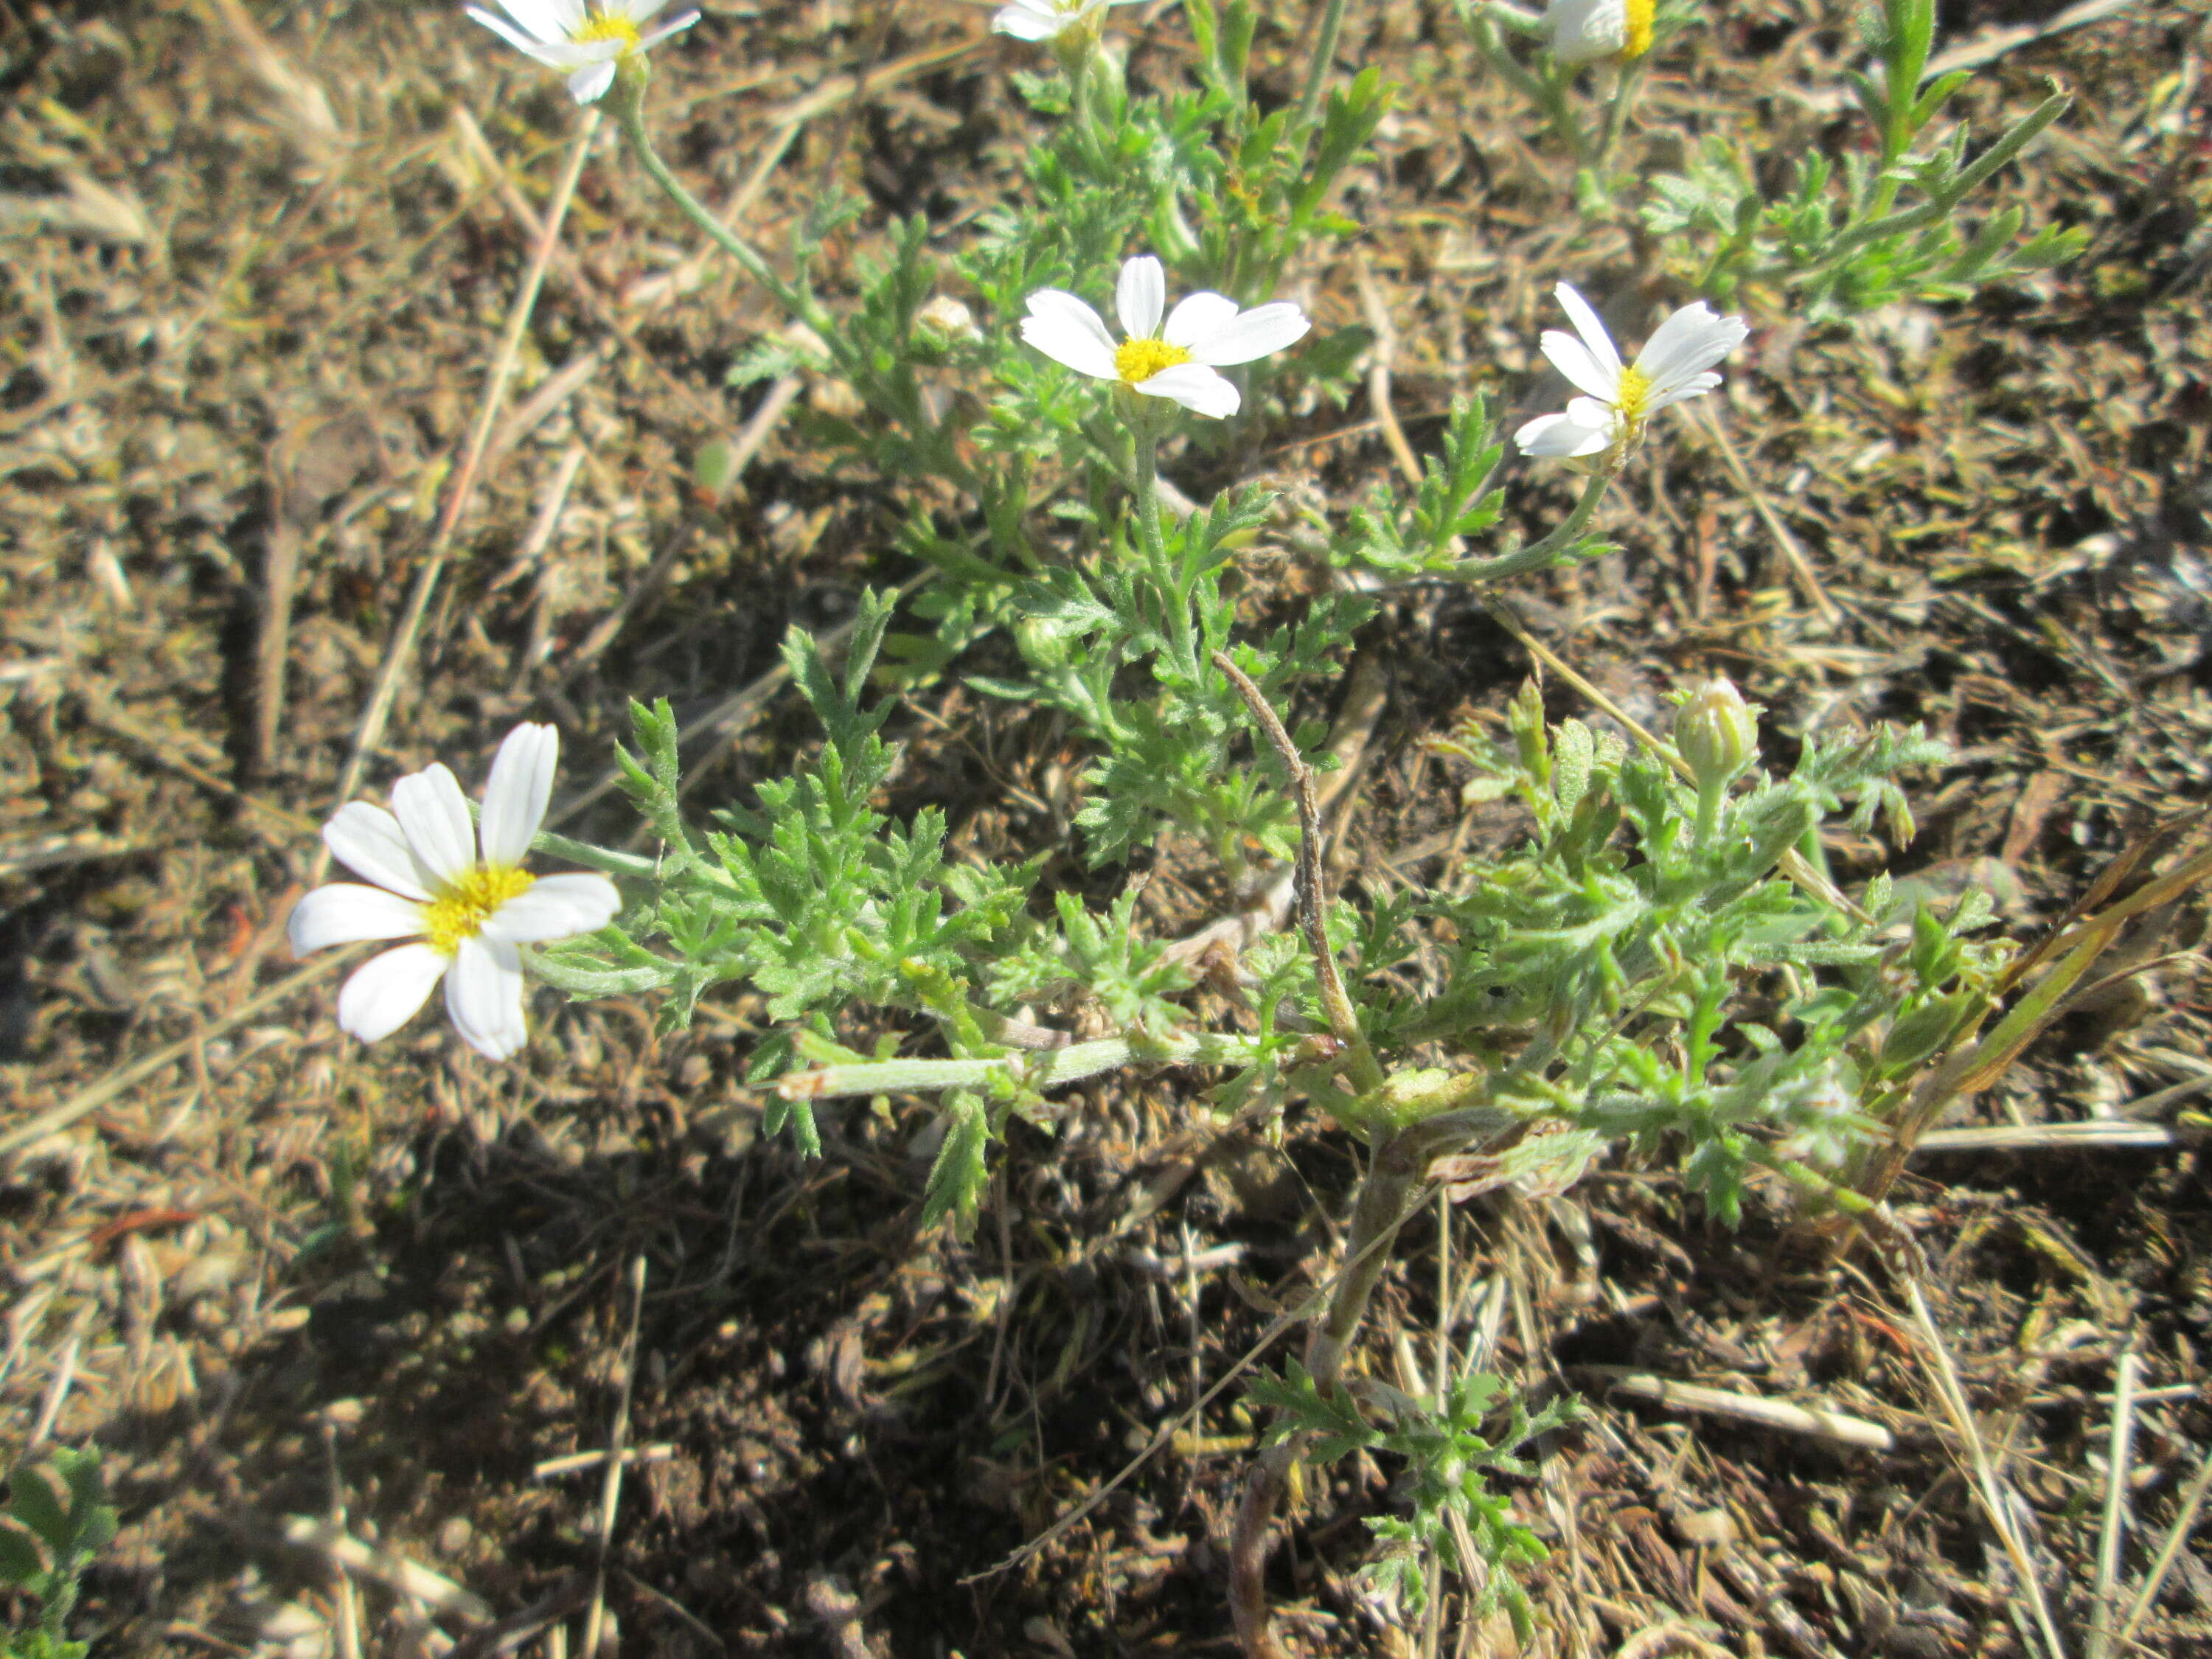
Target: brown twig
{"type": "Point", "coordinates": [1336, 1006]}
{"type": "Point", "coordinates": [1383, 356]}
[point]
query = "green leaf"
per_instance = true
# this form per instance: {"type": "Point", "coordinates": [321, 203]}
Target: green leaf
{"type": "Point", "coordinates": [40, 1500]}
{"type": "Point", "coordinates": [23, 1560]}
{"type": "Point", "coordinates": [957, 1178]}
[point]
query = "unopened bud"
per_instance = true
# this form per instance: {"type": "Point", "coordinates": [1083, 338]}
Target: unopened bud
{"type": "Point", "coordinates": [946, 316]}
{"type": "Point", "coordinates": [1717, 733]}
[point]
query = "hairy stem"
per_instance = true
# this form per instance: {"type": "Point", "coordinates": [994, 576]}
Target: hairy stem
{"type": "Point", "coordinates": [1324, 60]}
{"type": "Point", "coordinates": [1336, 1006]}
{"type": "Point", "coordinates": [629, 109]}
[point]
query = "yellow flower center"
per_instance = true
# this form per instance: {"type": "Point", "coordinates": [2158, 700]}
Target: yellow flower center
{"type": "Point", "coordinates": [617, 25]}
{"type": "Point", "coordinates": [1628, 400]}
{"type": "Point", "coordinates": [1138, 360]}
{"type": "Point", "coordinates": [1635, 39]}
{"type": "Point", "coordinates": [460, 912]}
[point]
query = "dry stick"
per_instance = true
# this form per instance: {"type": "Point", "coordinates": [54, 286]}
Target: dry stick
{"type": "Point", "coordinates": [115, 1082]}
{"type": "Point", "coordinates": [2192, 1504]}
{"type": "Point", "coordinates": [1793, 552]}
{"type": "Point", "coordinates": [402, 648]}
{"type": "Point", "coordinates": [1817, 1422]}
{"type": "Point", "coordinates": [1384, 354]}
{"type": "Point", "coordinates": [348, 1615]}
{"type": "Point", "coordinates": [1993, 1497]}
{"type": "Point", "coordinates": [1363, 700]}
{"type": "Point", "coordinates": [385, 1565]}
{"type": "Point", "coordinates": [611, 1485]}
{"type": "Point", "coordinates": [2053, 1137]}
{"type": "Point", "coordinates": [1399, 1164]}
{"type": "Point", "coordinates": [2099, 1644]}
{"type": "Point", "coordinates": [279, 579]}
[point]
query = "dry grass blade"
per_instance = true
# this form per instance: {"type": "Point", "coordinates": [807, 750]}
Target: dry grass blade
{"type": "Point", "coordinates": [2050, 1137]}
{"type": "Point", "coordinates": [401, 651]}
{"type": "Point", "coordinates": [1989, 1490]}
{"type": "Point", "coordinates": [2117, 1455]}
{"type": "Point", "coordinates": [611, 1482]}
{"type": "Point", "coordinates": [125, 1078]}
{"type": "Point", "coordinates": [1817, 1422]}
{"type": "Point", "coordinates": [386, 1567]}
{"type": "Point", "coordinates": [2177, 1539]}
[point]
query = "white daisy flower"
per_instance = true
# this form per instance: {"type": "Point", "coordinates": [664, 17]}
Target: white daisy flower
{"type": "Point", "coordinates": [1205, 332]}
{"type": "Point", "coordinates": [1675, 363]}
{"type": "Point", "coordinates": [585, 40]}
{"type": "Point", "coordinates": [1047, 19]}
{"type": "Point", "coordinates": [469, 911]}
{"type": "Point", "coordinates": [1584, 31]}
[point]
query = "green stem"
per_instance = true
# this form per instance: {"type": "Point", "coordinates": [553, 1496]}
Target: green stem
{"type": "Point", "coordinates": [1041, 1069]}
{"type": "Point", "coordinates": [1709, 798]}
{"type": "Point", "coordinates": [1535, 558]}
{"type": "Point", "coordinates": [1877, 226]}
{"type": "Point", "coordinates": [592, 858]}
{"type": "Point", "coordinates": [629, 109]}
{"type": "Point", "coordinates": [1174, 603]}
{"type": "Point", "coordinates": [1616, 118]}
{"type": "Point", "coordinates": [1324, 61]}
{"type": "Point", "coordinates": [1553, 87]}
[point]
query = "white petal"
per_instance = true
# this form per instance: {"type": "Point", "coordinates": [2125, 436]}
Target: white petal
{"type": "Point", "coordinates": [1140, 296]}
{"type": "Point", "coordinates": [589, 84]}
{"type": "Point", "coordinates": [1591, 326]}
{"type": "Point", "coordinates": [1196, 387]}
{"type": "Point", "coordinates": [384, 991]}
{"type": "Point", "coordinates": [1197, 315]}
{"type": "Point", "coordinates": [1253, 334]}
{"type": "Point", "coordinates": [1027, 22]}
{"type": "Point", "coordinates": [1583, 372]}
{"type": "Point", "coordinates": [1585, 29]}
{"type": "Point", "coordinates": [1559, 437]}
{"type": "Point", "coordinates": [1068, 331]}
{"type": "Point", "coordinates": [368, 841]}
{"type": "Point", "coordinates": [546, 20]}
{"type": "Point", "coordinates": [674, 25]}
{"type": "Point", "coordinates": [554, 906]}
{"type": "Point", "coordinates": [521, 785]}
{"type": "Point", "coordinates": [551, 54]}
{"type": "Point", "coordinates": [1688, 342]}
{"type": "Point", "coordinates": [1695, 387]}
{"type": "Point", "coordinates": [345, 912]}
{"type": "Point", "coordinates": [483, 996]}
{"type": "Point", "coordinates": [1595, 413]}
{"type": "Point", "coordinates": [434, 812]}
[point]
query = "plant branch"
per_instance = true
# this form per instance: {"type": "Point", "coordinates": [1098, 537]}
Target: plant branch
{"type": "Point", "coordinates": [1336, 1006]}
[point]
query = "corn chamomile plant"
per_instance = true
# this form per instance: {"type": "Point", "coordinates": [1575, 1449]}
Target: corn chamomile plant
{"type": "Point", "coordinates": [1658, 967]}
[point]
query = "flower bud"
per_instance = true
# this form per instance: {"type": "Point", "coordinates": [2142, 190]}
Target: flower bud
{"type": "Point", "coordinates": [1717, 733]}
